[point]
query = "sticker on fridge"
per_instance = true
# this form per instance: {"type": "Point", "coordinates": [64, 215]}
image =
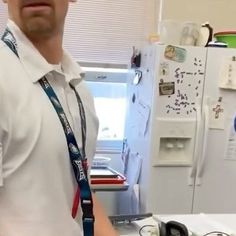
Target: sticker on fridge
{"type": "Point", "coordinates": [175, 53]}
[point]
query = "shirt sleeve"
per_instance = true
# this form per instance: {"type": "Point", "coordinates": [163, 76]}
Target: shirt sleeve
{"type": "Point", "coordinates": [1, 157]}
{"type": "Point", "coordinates": [3, 129]}
{"type": "Point", "coordinates": [1, 142]}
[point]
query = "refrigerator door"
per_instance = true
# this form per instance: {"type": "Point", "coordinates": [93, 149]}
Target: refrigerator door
{"type": "Point", "coordinates": [216, 174]}
{"type": "Point", "coordinates": [177, 91]}
{"type": "Point", "coordinates": [138, 127]}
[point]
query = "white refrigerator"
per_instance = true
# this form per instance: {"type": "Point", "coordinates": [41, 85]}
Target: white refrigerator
{"type": "Point", "coordinates": [181, 122]}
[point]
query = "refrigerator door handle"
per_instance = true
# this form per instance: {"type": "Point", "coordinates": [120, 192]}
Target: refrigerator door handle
{"type": "Point", "coordinates": [201, 163]}
{"type": "Point", "coordinates": [193, 170]}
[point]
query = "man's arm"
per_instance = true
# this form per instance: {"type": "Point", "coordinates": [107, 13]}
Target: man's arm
{"type": "Point", "coordinates": [102, 226]}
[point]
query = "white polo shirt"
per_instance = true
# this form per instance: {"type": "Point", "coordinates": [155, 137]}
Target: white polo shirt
{"type": "Point", "coordinates": [37, 184]}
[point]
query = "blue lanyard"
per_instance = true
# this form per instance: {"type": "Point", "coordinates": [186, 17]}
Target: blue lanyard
{"type": "Point", "coordinates": [77, 156]}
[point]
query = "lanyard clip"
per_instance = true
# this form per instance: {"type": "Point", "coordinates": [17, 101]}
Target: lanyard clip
{"type": "Point", "coordinates": [87, 208]}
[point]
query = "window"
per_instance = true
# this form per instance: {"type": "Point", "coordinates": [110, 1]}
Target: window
{"type": "Point", "coordinates": [108, 87]}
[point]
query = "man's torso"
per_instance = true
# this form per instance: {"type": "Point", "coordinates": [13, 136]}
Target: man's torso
{"type": "Point", "coordinates": [38, 184]}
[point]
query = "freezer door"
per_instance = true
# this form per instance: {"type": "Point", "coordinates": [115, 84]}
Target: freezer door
{"type": "Point", "coordinates": [170, 192]}
{"type": "Point", "coordinates": [215, 190]}
{"type": "Point", "coordinates": [174, 130]}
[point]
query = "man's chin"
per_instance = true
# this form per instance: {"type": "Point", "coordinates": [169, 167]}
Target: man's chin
{"type": "Point", "coordinates": [39, 26]}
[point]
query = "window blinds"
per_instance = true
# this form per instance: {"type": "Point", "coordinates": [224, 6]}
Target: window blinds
{"type": "Point", "coordinates": [3, 17]}
{"type": "Point", "coordinates": [104, 31]}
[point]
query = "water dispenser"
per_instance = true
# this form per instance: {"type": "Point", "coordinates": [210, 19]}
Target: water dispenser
{"type": "Point", "coordinates": [174, 142]}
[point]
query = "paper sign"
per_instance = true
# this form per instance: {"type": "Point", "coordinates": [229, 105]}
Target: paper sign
{"type": "Point", "coordinates": [231, 148]}
{"type": "Point", "coordinates": [217, 115]}
{"type": "Point", "coordinates": [227, 78]}
{"type": "Point", "coordinates": [143, 118]}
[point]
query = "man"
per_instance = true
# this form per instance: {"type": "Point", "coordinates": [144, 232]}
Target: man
{"type": "Point", "coordinates": [40, 91]}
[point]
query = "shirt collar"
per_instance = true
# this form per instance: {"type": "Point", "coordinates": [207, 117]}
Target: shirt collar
{"type": "Point", "coordinates": [36, 65]}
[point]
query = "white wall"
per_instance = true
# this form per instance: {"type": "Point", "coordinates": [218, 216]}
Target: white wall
{"type": "Point", "coordinates": [221, 14]}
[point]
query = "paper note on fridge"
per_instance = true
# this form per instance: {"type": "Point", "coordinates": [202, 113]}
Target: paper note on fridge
{"type": "Point", "coordinates": [231, 145]}
{"type": "Point", "coordinates": [227, 78]}
{"type": "Point", "coordinates": [217, 115]}
{"type": "Point", "coordinates": [143, 117]}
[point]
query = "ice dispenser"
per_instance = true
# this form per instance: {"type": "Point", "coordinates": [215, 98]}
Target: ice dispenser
{"type": "Point", "coordinates": [175, 142]}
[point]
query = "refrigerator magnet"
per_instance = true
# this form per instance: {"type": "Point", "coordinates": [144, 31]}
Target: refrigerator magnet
{"type": "Point", "coordinates": [164, 69]}
{"type": "Point", "coordinates": [166, 88]}
{"type": "Point", "coordinates": [175, 53]}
